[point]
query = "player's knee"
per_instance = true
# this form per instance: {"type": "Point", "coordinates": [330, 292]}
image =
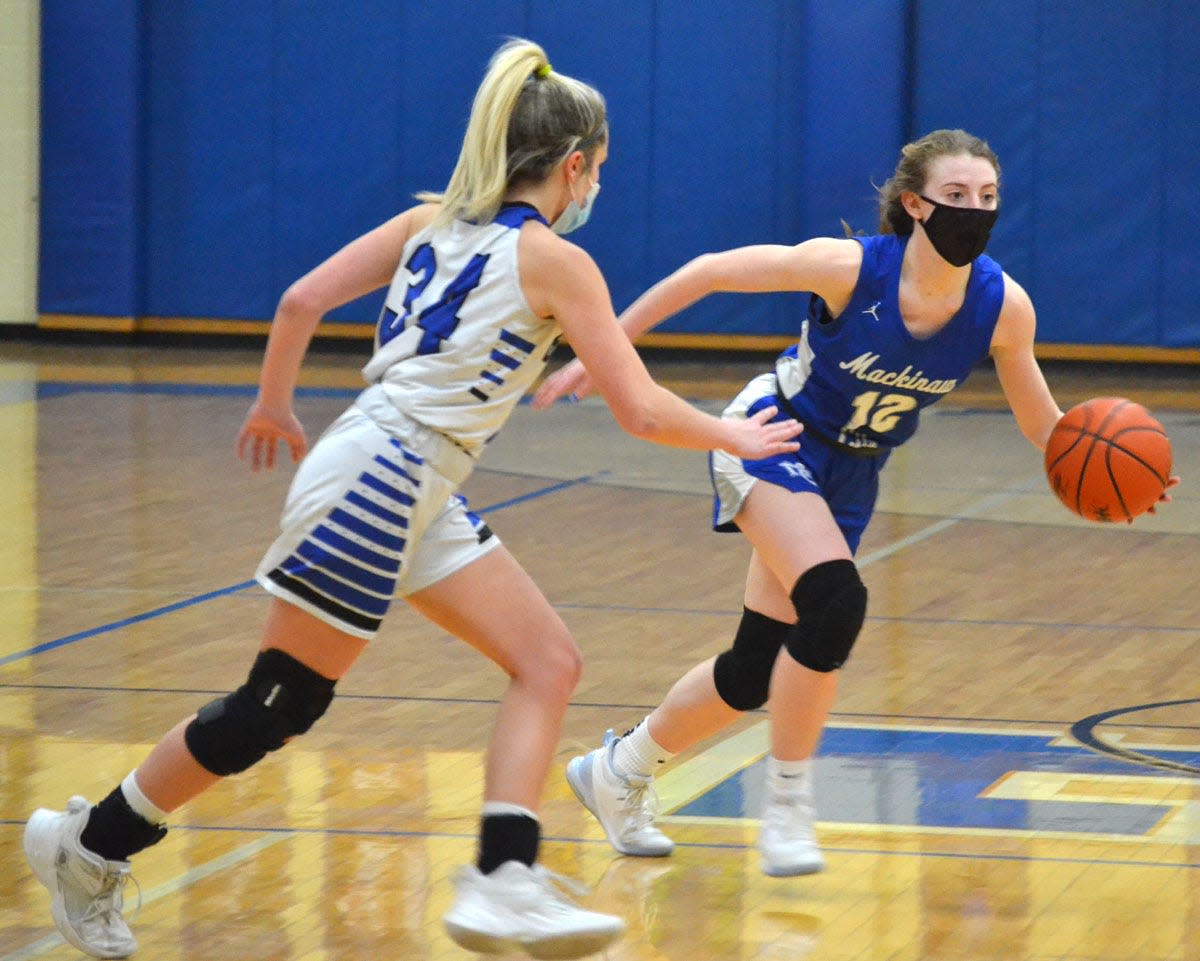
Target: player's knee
{"type": "Point", "coordinates": [742, 674]}
{"type": "Point", "coordinates": [565, 668]}
{"type": "Point", "coordinates": [551, 670]}
{"type": "Point", "coordinates": [831, 603]}
{"type": "Point", "coordinates": [280, 699]}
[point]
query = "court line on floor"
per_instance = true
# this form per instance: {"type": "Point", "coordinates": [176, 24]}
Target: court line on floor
{"type": "Point", "coordinates": [927, 532]}
{"type": "Point", "coordinates": [167, 888]}
{"type": "Point", "coordinates": [236, 588]}
{"type": "Point", "coordinates": [1084, 731]}
{"type": "Point", "coordinates": [124, 622]}
{"type": "Point", "coordinates": [192, 876]}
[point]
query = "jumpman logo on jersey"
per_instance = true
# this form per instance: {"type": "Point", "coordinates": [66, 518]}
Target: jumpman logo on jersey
{"type": "Point", "coordinates": [871, 310]}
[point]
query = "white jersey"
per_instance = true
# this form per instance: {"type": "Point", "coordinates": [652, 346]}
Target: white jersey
{"type": "Point", "coordinates": [457, 346]}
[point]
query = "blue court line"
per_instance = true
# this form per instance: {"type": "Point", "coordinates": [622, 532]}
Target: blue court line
{"type": "Point", "coordinates": [533, 495]}
{"type": "Point", "coordinates": [49, 390]}
{"type": "Point", "coordinates": [125, 622]}
{"type": "Point", "coordinates": [473, 836]}
{"type": "Point", "coordinates": [835, 716]}
{"type": "Point", "coordinates": [224, 591]}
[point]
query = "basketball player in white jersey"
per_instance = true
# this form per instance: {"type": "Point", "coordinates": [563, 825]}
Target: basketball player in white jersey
{"type": "Point", "coordinates": [482, 284]}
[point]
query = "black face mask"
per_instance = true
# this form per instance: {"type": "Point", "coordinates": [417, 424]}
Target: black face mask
{"type": "Point", "coordinates": [958, 234]}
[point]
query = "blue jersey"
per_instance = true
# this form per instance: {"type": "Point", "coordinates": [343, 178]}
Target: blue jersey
{"type": "Point", "coordinates": [861, 379]}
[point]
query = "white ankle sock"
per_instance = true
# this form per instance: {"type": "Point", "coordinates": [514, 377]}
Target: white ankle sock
{"type": "Point", "coordinates": [791, 776]}
{"type": "Point", "coordinates": [638, 753]}
{"type": "Point", "coordinates": [139, 802]}
{"type": "Point", "coordinates": [504, 807]}
{"type": "Point", "coordinates": [789, 768]}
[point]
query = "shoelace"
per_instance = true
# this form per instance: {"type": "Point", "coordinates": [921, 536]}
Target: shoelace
{"type": "Point", "coordinates": [110, 898]}
{"type": "Point", "coordinates": [640, 803]}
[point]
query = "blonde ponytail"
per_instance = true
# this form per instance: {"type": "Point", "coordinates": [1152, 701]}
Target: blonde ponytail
{"type": "Point", "coordinates": [526, 118]}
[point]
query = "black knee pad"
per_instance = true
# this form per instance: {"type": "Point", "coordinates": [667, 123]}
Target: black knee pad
{"type": "Point", "coordinates": [743, 673]}
{"type": "Point", "coordinates": [280, 699]}
{"type": "Point", "coordinates": [831, 602]}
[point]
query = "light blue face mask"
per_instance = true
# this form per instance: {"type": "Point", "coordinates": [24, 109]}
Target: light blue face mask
{"type": "Point", "coordinates": [575, 216]}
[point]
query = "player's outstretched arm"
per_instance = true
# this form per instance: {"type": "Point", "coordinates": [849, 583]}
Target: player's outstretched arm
{"type": "Point", "coordinates": [562, 281]}
{"type": "Point", "coordinates": [824, 265]}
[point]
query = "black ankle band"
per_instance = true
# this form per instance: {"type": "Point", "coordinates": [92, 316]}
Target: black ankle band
{"type": "Point", "coordinates": [507, 837]}
{"type": "Point", "coordinates": [115, 831]}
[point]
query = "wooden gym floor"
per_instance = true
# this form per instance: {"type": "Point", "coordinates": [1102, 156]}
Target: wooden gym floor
{"type": "Point", "coordinates": [1012, 770]}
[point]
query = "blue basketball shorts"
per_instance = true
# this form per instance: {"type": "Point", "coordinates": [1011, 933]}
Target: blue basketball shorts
{"type": "Point", "coordinates": [848, 483]}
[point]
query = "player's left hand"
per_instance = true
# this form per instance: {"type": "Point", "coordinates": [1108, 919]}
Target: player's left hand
{"type": "Point", "coordinates": [263, 429]}
{"type": "Point", "coordinates": [757, 436]}
{"type": "Point", "coordinates": [570, 379]}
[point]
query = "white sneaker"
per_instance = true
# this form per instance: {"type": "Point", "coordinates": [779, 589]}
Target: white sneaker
{"type": "Point", "coordinates": [86, 891]}
{"type": "Point", "coordinates": [625, 805]}
{"type": "Point", "coordinates": [786, 839]}
{"type": "Point", "coordinates": [517, 907]}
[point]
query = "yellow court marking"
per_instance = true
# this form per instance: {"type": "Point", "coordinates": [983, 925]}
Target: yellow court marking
{"type": "Point", "coordinates": [832, 829]}
{"type": "Point", "coordinates": [687, 781]}
{"type": "Point", "coordinates": [1180, 825]}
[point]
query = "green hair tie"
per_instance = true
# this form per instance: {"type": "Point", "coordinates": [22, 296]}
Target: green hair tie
{"type": "Point", "coordinates": [543, 71]}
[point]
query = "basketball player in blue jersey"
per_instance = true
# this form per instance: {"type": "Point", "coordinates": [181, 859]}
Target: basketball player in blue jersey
{"type": "Point", "coordinates": [482, 284]}
{"type": "Point", "coordinates": [897, 321]}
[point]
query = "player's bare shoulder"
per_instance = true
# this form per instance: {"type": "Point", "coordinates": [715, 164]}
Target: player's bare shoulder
{"type": "Point", "coordinates": [840, 255]}
{"type": "Point", "coordinates": [1017, 322]}
{"type": "Point", "coordinates": [405, 225]}
{"type": "Point", "coordinates": [829, 266]}
{"type": "Point", "coordinates": [549, 264]}
{"type": "Point", "coordinates": [419, 218]}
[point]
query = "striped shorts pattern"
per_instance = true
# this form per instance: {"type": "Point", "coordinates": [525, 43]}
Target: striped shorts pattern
{"type": "Point", "coordinates": [348, 565]}
{"type": "Point", "coordinates": [368, 518]}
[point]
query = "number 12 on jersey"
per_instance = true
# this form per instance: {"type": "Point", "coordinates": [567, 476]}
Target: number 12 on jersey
{"type": "Point", "coordinates": [877, 412]}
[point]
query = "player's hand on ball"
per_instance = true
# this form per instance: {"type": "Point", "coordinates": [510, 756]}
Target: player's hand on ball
{"type": "Point", "coordinates": [1172, 481]}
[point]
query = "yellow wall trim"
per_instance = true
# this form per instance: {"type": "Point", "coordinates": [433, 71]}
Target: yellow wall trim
{"type": "Point", "coordinates": [1116, 353]}
{"type": "Point", "coordinates": [188, 325]}
{"type": "Point", "coordinates": [116, 325]}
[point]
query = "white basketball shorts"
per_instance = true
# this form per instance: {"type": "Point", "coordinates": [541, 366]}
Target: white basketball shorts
{"type": "Point", "coordinates": [372, 513]}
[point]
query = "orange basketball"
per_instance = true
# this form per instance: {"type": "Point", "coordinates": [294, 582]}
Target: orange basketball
{"type": "Point", "coordinates": [1108, 459]}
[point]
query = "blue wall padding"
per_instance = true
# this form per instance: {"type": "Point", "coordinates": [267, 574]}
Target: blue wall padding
{"type": "Point", "coordinates": [89, 250]}
{"type": "Point", "coordinates": [1177, 308]}
{"type": "Point", "coordinates": [197, 158]}
{"type": "Point", "coordinates": [210, 174]}
{"type": "Point", "coordinates": [1099, 196]}
{"type": "Point", "coordinates": [849, 110]}
{"type": "Point", "coordinates": [1094, 110]}
{"type": "Point", "coordinates": [960, 57]}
